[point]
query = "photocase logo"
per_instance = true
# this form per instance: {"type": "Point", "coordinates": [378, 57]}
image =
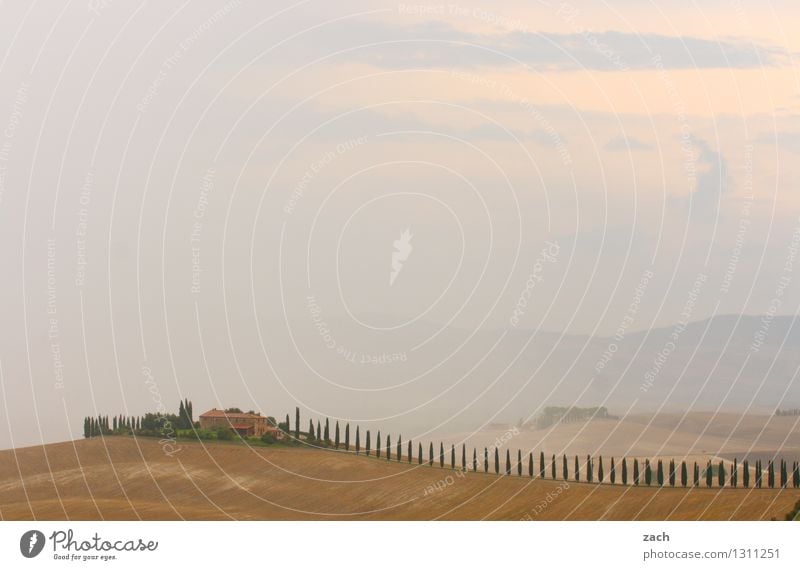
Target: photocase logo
{"type": "Point", "coordinates": [31, 543]}
{"type": "Point", "coordinates": [402, 249]}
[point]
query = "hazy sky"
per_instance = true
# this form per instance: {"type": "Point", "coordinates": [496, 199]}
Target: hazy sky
{"type": "Point", "coordinates": [203, 196]}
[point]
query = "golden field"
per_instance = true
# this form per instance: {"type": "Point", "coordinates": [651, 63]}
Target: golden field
{"type": "Point", "coordinates": [119, 478]}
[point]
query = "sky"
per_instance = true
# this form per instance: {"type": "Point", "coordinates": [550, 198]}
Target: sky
{"type": "Point", "coordinates": [190, 192]}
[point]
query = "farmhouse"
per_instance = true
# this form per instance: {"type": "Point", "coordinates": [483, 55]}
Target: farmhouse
{"type": "Point", "coordinates": [241, 423]}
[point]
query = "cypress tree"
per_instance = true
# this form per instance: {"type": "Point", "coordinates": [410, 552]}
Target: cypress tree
{"type": "Point", "coordinates": [600, 470]}
{"type": "Point", "coordinates": [411, 452]}
{"type": "Point", "coordinates": [319, 432]}
{"type": "Point", "coordinates": [85, 427]}
{"type": "Point", "coordinates": [709, 474]}
{"type": "Point", "coordinates": [485, 460]}
{"type": "Point", "coordinates": [430, 454]}
{"type": "Point", "coordinates": [452, 456]}
{"type": "Point", "coordinates": [684, 474]}
{"type": "Point", "coordinates": [115, 419]}
{"type": "Point", "coordinates": [541, 464]}
{"type": "Point", "coordinates": [577, 470]}
{"type": "Point", "coordinates": [358, 440]}
{"type": "Point", "coordinates": [784, 475]}
{"type": "Point", "coordinates": [696, 474]}
{"type": "Point", "coordinates": [771, 474]}
{"type": "Point", "coordinates": [648, 473]}
{"type": "Point", "coordinates": [378, 445]}
{"type": "Point", "coordinates": [660, 473]}
{"type": "Point", "coordinates": [636, 472]}
{"type": "Point", "coordinates": [721, 474]}
{"type": "Point", "coordinates": [564, 470]}
{"type": "Point", "coordinates": [347, 437]}
{"type": "Point", "coordinates": [553, 467]}
{"type": "Point", "coordinates": [759, 474]}
{"type": "Point", "coordinates": [519, 463]}
{"type": "Point", "coordinates": [746, 473]}
{"type": "Point", "coordinates": [311, 430]}
{"type": "Point", "coordinates": [419, 454]}
{"type": "Point", "coordinates": [530, 464]}
{"type": "Point", "coordinates": [441, 454]}
{"type": "Point", "coordinates": [288, 431]}
{"type": "Point", "coordinates": [327, 430]}
{"type": "Point", "coordinates": [496, 461]}
{"type": "Point", "coordinates": [336, 435]}
{"type": "Point", "coordinates": [671, 472]}
{"type": "Point", "coordinates": [796, 475]}
{"type": "Point", "coordinates": [624, 471]}
{"type": "Point", "coordinates": [297, 424]}
{"type": "Point", "coordinates": [367, 446]}
{"type": "Point", "coordinates": [589, 469]}
{"type": "Point", "coordinates": [474, 460]}
{"type": "Point", "coordinates": [463, 456]}
{"type": "Point", "coordinates": [400, 448]}
{"type": "Point", "coordinates": [388, 447]}
{"type": "Point", "coordinates": [508, 462]}
{"type": "Point", "coordinates": [735, 473]}
{"type": "Point", "coordinates": [613, 471]}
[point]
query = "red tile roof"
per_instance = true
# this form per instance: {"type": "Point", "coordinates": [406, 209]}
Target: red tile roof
{"type": "Point", "coordinates": [215, 413]}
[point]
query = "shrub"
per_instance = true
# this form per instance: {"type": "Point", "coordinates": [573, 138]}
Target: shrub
{"type": "Point", "coordinates": [223, 434]}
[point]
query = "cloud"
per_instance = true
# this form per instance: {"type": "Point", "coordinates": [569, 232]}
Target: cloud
{"type": "Point", "coordinates": [784, 140]}
{"type": "Point", "coordinates": [711, 171]}
{"type": "Point", "coordinates": [438, 44]}
{"type": "Point", "coordinates": [625, 144]}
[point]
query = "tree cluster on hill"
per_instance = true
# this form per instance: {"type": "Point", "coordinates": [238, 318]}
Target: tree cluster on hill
{"type": "Point", "coordinates": [150, 424]}
{"type": "Point", "coordinates": [557, 414]}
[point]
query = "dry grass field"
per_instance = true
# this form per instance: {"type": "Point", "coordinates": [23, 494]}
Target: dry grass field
{"type": "Point", "coordinates": [700, 435]}
{"type": "Point", "coordinates": [125, 479]}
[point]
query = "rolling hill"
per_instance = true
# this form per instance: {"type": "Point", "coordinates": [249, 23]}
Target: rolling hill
{"type": "Point", "coordinates": [125, 479]}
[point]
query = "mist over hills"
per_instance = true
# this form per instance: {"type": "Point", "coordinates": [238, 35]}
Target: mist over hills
{"type": "Point", "coordinates": [425, 379]}
{"type": "Point", "coordinates": [467, 379]}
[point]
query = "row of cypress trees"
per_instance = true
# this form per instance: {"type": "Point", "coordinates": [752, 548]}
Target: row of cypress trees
{"type": "Point", "coordinates": [644, 473]}
{"type": "Point", "coordinates": [102, 425]}
{"type": "Point", "coordinates": [121, 424]}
